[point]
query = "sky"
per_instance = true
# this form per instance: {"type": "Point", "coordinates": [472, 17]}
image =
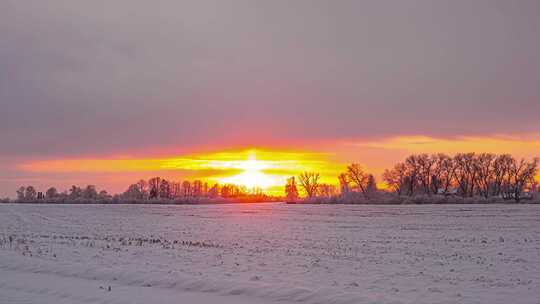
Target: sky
{"type": "Point", "coordinates": [139, 85]}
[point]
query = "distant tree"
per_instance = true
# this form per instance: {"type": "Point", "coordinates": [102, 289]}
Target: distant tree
{"type": "Point", "coordinates": [103, 195]}
{"type": "Point", "coordinates": [396, 178]}
{"type": "Point", "coordinates": [197, 189]}
{"type": "Point", "coordinates": [371, 186]}
{"type": "Point", "coordinates": [501, 171]}
{"type": "Point", "coordinates": [326, 190]}
{"type": "Point", "coordinates": [309, 181]}
{"type": "Point", "coordinates": [143, 188]}
{"type": "Point", "coordinates": [153, 186]}
{"type": "Point", "coordinates": [227, 191]}
{"type": "Point", "coordinates": [176, 189]}
{"type": "Point", "coordinates": [30, 193]}
{"type": "Point", "coordinates": [165, 189]}
{"type": "Point", "coordinates": [522, 176]}
{"type": "Point", "coordinates": [90, 192]}
{"type": "Point", "coordinates": [214, 191]}
{"type": "Point", "coordinates": [186, 187]}
{"type": "Point", "coordinates": [344, 183]}
{"type": "Point", "coordinates": [358, 177]}
{"type": "Point", "coordinates": [483, 166]}
{"type": "Point", "coordinates": [426, 166]}
{"type": "Point", "coordinates": [20, 193]}
{"type": "Point", "coordinates": [51, 193]}
{"type": "Point", "coordinates": [205, 189]}
{"type": "Point", "coordinates": [133, 192]}
{"type": "Point", "coordinates": [291, 191]}
{"type": "Point", "coordinates": [466, 173]}
{"type": "Point", "coordinates": [445, 173]}
{"type": "Point", "coordinates": [75, 192]}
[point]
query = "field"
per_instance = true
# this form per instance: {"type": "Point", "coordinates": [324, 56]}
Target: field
{"type": "Point", "coordinates": [269, 253]}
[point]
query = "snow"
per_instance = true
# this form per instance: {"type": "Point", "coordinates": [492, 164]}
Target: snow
{"type": "Point", "coordinates": [266, 253]}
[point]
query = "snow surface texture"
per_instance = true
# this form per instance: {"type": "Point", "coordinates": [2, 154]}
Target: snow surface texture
{"type": "Point", "coordinates": [265, 253]}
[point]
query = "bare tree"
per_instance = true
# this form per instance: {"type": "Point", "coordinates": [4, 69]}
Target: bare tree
{"type": "Point", "coordinates": [358, 177]}
{"type": "Point", "coordinates": [327, 190]}
{"type": "Point", "coordinates": [425, 171]}
{"type": "Point", "coordinates": [396, 178]}
{"type": "Point", "coordinates": [186, 187]}
{"type": "Point", "coordinates": [143, 188]}
{"type": "Point", "coordinates": [444, 174]}
{"type": "Point", "coordinates": [197, 188]}
{"type": "Point", "coordinates": [154, 186]}
{"type": "Point", "coordinates": [165, 189]}
{"type": "Point", "coordinates": [310, 183]}
{"type": "Point", "coordinates": [522, 174]}
{"type": "Point", "coordinates": [501, 171]}
{"type": "Point", "coordinates": [465, 173]}
{"type": "Point", "coordinates": [484, 173]}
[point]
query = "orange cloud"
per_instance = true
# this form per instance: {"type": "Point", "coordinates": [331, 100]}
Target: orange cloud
{"type": "Point", "coordinates": [520, 146]}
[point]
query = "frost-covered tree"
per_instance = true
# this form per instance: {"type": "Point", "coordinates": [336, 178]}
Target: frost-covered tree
{"type": "Point", "coordinates": [90, 192]}
{"type": "Point", "coordinates": [291, 190]}
{"type": "Point", "coordinates": [103, 195]}
{"type": "Point", "coordinates": [75, 192]}
{"type": "Point", "coordinates": [133, 192]}
{"type": "Point", "coordinates": [20, 193]}
{"type": "Point", "coordinates": [30, 193]}
{"type": "Point", "coordinates": [326, 190]}
{"type": "Point", "coordinates": [51, 193]}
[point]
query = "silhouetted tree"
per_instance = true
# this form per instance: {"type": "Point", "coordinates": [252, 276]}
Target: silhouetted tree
{"type": "Point", "coordinates": [358, 177]}
{"type": "Point", "coordinates": [165, 189]}
{"type": "Point", "coordinates": [310, 183]}
{"type": "Point", "coordinates": [154, 186]}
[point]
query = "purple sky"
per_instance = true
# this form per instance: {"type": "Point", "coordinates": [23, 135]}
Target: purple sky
{"type": "Point", "coordinates": [82, 78]}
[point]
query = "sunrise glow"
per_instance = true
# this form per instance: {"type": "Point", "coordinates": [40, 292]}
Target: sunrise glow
{"type": "Point", "coordinates": [268, 168]}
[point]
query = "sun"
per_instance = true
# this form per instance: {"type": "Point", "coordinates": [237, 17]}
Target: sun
{"type": "Point", "coordinates": [252, 175]}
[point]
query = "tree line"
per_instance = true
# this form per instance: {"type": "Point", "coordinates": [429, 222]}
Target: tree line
{"type": "Point", "coordinates": [160, 188]}
{"type": "Point", "coordinates": [154, 190]}
{"type": "Point", "coordinates": [465, 175]}
{"type": "Point", "coordinates": [29, 193]}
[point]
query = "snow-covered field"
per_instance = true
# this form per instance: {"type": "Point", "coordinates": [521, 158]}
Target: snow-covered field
{"type": "Point", "coordinates": [266, 253]}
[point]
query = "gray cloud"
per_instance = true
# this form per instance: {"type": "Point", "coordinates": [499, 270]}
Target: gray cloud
{"type": "Point", "coordinates": [106, 76]}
